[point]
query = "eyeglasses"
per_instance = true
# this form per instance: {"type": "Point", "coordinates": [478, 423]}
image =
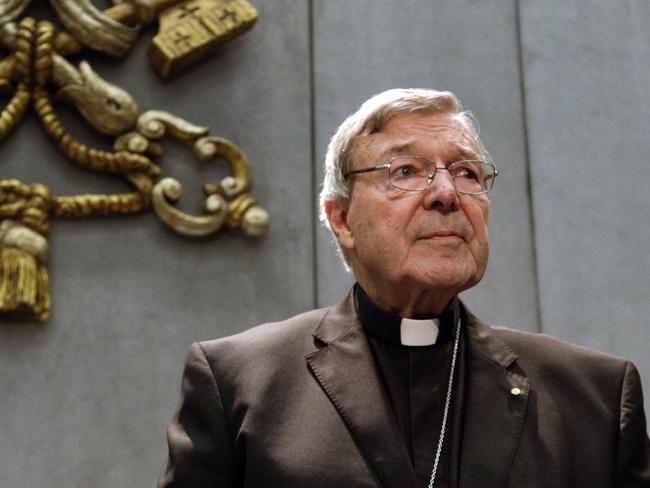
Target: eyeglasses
{"type": "Point", "coordinates": [413, 173]}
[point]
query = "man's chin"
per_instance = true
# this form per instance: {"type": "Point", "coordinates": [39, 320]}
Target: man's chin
{"type": "Point", "coordinates": [449, 279]}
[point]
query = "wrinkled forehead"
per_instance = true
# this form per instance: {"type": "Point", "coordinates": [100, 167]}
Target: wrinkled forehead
{"type": "Point", "coordinates": [412, 133]}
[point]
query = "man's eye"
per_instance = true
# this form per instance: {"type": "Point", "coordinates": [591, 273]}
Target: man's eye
{"type": "Point", "coordinates": [466, 172]}
{"type": "Point", "coordinates": [405, 171]}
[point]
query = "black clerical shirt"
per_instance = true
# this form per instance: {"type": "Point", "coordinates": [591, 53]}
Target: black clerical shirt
{"type": "Point", "coordinates": [415, 379]}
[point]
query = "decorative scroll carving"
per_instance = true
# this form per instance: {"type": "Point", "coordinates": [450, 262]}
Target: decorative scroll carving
{"type": "Point", "coordinates": [191, 225]}
{"type": "Point", "coordinates": [36, 73]}
{"type": "Point", "coordinates": [241, 211]}
{"type": "Point", "coordinates": [228, 202]}
{"type": "Point", "coordinates": [155, 123]}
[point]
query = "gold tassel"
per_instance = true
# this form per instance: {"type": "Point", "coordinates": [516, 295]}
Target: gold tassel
{"type": "Point", "coordinates": [24, 286]}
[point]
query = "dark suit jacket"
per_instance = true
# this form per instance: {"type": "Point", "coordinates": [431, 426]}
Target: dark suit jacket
{"type": "Point", "coordinates": [300, 404]}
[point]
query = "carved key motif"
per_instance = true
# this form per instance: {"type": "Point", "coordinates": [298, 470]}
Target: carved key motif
{"type": "Point", "coordinates": [37, 71]}
{"type": "Point", "coordinates": [190, 30]}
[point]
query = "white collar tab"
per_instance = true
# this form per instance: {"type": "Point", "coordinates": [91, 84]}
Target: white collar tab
{"type": "Point", "coordinates": [419, 332]}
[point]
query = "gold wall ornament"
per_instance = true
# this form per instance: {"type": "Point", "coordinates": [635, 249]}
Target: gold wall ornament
{"type": "Point", "coordinates": [94, 28]}
{"type": "Point", "coordinates": [24, 226]}
{"type": "Point", "coordinates": [191, 30]}
{"type": "Point", "coordinates": [169, 190]}
{"type": "Point", "coordinates": [107, 107]}
{"type": "Point", "coordinates": [37, 74]}
{"type": "Point", "coordinates": [228, 203]}
{"type": "Point", "coordinates": [10, 9]}
{"type": "Point", "coordinates": [154, 124]}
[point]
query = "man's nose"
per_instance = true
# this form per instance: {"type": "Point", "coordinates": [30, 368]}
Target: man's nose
{"type": "Point", "coordinates": [441, 193]}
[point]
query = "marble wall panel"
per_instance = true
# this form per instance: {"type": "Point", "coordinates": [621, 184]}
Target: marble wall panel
{"type": "Point", "coordinates": [586, 78]}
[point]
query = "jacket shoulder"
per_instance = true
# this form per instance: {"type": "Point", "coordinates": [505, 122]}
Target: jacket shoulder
{"type": "Point", "coordinates": [263, 345]}
{"type": "Point", "coordinates": [552, 356]}
{"type": "Point", "coordinates": [545, 344]}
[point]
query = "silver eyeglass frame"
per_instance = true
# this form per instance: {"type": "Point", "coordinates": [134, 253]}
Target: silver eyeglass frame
{"type": "Point", "coordinates": [387, 165]}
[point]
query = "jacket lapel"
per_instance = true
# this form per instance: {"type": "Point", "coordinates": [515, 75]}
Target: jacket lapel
{"type": "Point", "coordinates": [496, 398]}
{"type": "Point", "coordinates": [345, 369]}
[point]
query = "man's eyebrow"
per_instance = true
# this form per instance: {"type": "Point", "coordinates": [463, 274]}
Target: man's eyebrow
{"type": "Point", "coordinates": [406, 147]}
{"type": "Point", "coordinates": [399, 148]}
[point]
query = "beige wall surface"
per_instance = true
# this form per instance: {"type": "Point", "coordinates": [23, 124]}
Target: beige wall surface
{"type": "Point", "coordinates": [560, 91]}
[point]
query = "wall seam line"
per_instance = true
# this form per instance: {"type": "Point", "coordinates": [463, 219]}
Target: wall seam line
{"type": "Point", "coordinates": [312, 134]}
{"type": "Point", "coordinates": [529, 181]}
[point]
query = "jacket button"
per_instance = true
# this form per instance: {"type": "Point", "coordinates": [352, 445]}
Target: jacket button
{"type": "Point", "coordinates": [515, 391]}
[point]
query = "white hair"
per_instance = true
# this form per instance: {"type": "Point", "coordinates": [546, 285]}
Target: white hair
{"type": "Point", "coordinates": [371, 117]}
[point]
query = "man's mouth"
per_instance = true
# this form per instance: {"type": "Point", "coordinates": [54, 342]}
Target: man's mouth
{"type": "Point", "coordinates": [442, 236]}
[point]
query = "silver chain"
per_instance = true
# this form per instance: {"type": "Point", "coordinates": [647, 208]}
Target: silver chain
{"type": "Point", "coordinates": [446, 410]}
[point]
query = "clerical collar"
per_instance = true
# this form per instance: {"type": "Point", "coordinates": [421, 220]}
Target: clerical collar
{"type": "Point", "coordinates": [394, 329]}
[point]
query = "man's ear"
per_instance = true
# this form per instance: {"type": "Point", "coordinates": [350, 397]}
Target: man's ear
{"type": "Point", "coordinates": [337, 215]}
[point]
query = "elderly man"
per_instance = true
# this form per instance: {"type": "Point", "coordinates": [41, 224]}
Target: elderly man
{"type": "Point", "coordinates": [400, 385]}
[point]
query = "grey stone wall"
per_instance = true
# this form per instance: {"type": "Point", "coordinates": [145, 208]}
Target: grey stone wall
{"type": "Point", "coordinates": [560, 90]}
{"type": "Point", "coordinates": [586, 82]}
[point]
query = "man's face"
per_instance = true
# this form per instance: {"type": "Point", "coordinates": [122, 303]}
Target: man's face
{"type": "Point", "coordinates": [407, 248]}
